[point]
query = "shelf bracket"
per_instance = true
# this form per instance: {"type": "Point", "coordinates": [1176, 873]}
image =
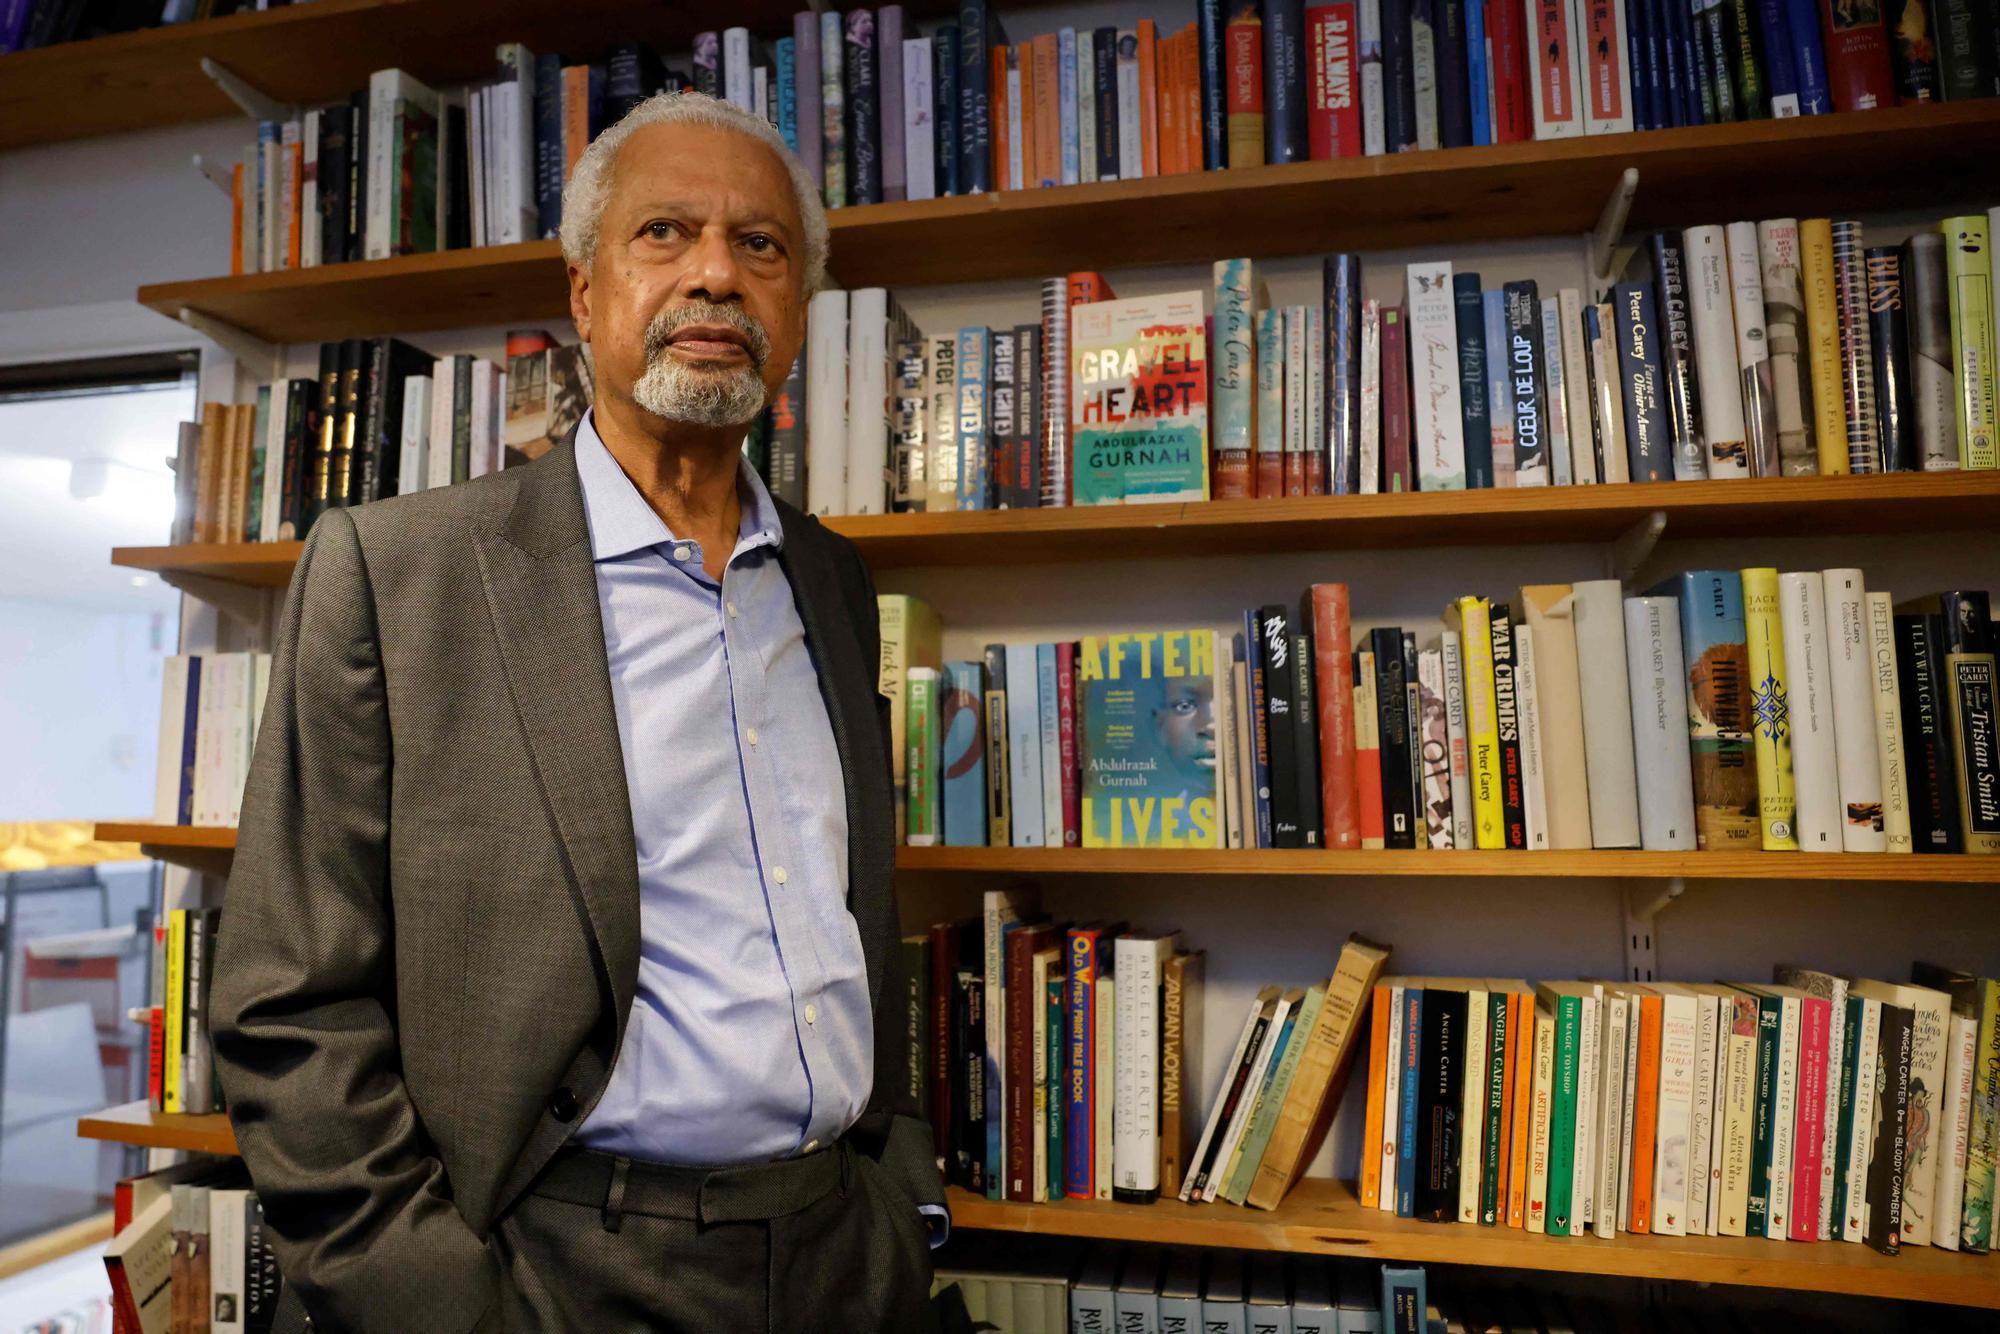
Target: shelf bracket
{"type": "Point", "coordinates": [240, 601]}
{"type": "Point", "coordinates": [1607, 258]}
{"type": "Point", "coordinates": [252, 101]}
{"type": "Point", "coordinates": [216, 176]}
{"type": "Point", "coordinates": [263, 360]}
{"type": "Point", "coordinates": [1634, 546]}
{"type": "Point", "coordinates": [1644, 901]}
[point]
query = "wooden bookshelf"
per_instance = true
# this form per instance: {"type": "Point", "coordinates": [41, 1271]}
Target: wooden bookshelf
{"type": "Point", "coordinates": [174, 842]}
{"type": "Point", "coordinates": [1325, 1218]}
{"type": "Point", "coordinates": [319, 52]}
{"type": "Point", "coordinates": [1763, 507]}
{"type": "Point", "coordinates": [137, 1123]}
{"type": "Point", "coordinates": [1931, 156]}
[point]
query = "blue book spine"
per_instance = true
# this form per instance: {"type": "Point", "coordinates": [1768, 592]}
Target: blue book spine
{"type": "Point", "coordinates": [1453, 93]}
{"type": "Point", "coordinates": [1472, 379]}
{"type": "Point", "coordinates": [1499, 389]}
{"type": "Point", "coordinates": [1066, 55]}
{"type": "Point", "coordinates": [786, 52]}
{"type": "Point", "coordinates": [1648, 443]}
{"type": "Point", "coordinates": [1781, 71]}
{"type": "Point", "coordinates": [1809, 57]}
{"type": "Point", "coordinates": [1693, 71]}
{"type": "Point", "coordinates": [1048, 734]}
{"type": "Point", "coordinates": [975, 126]}
{"type": "Point", "coordinates": [1641, 88]}
{"type": "Point", "coordinates": [1341, 283]}
{"type": "Point", "coordinates": [1214, 122]}
{"type": "Point", "coordinates": [1659, 93]}
{"type": "Point", "coordinates": [944, 110]}
{"type": "Point", "coordinates": [1477, 74]}
{"type": "Point", "coordinates": [1399, 88]}
{"type": "Point", "coordinates": [1676, 76]}
{"type": "Point", "coordinates": [14, 23]}
{"type": "Point", "coordinates": [1404, 1300]}
{"type": "Point", "coordinates": [962, 754]}
{"type": "Point", "coordinates": [1284, 82]}
{"type": "Point", "coordinates": [1406, 1145]}
{"type": "Point", "coordinates": [1080, 1043]}
{"type": "Point", "coordinates": [548, 145]}
{"type": "Point", "coordinates": [190, 728]}
{"type": "Point", "coordinates": [975, 455]}
{"type": "Point", "coordinates": [1252, 644]}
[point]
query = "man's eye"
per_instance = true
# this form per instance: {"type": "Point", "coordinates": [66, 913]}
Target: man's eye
{"type": "Point", "coordinates": [760, 243]}
{"type": "Point", "coordinates": [660, 231]}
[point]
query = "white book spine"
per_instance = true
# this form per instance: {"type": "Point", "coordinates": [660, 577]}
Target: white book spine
{"type": "Point", "coordinates": [1888, 723]}
{"type": "Point", "coordinates": [1212, 1127]}
{"type": "Point", "coordinates": [1712, 324]}
{"type": "Point", "coordinates": [1850, 659]}
{"type": "Point", "coordinates": [1583, 1156]}
{"type": "Point", "coordinates": [1597, 607]}
{"type": "Point", "coordinates": [1659, 723]}
{"type": "Point", "coordinates": [1815, 761]}
{"type": "Point", "coordinates": [174, 673]}
{"type": "Point", "coordinates": [1024, 744]}
{"type": "Point", "coordinates": [1931, 1012]}
{"type": "Point", "coordinates": [1540, 1102]}
{"type": "Point", "coordinates": [736, 82]}
{"type": "Point", "coordinates": [1239, 1122]}
{"type": "Point", "coordinates": [1371, 399]}
{"type": "Point", "coordinates": [1295, 391]}
{"type": "Point", "coordinates": [1609, 413]}
{"type": "Point", "coordinates": [1556, 397]}
{"type": "Point", "coordinates": [1131, 154]}
{"type": "Point", "coordinates": [997, 909]}
{"type": "Point", "coordinates": [383, 89]}
{"type": "Point", "coordinates": [1472, 1102]}
{"type": "Point", "coordinates": [1374, 107]}
{"type": "Point", "coordinates": [1437, 428]}
{"type": "Point", "coordinates": [1676, 1116]}
{"type": "Point", "coordinates": [826, 403]}
{"type": "Point", "coordinates": [414, 457]}
{"type": "Point", "coordinates": [309, 233]}
{"type": "Point", "coordinates": [1753, 349]}
{"type": "Point", "coordinates": [226, 1260]}
{"type": "Point", "coordinates": [243, 689]}
{"type": "Point", "coordinates": [1086, 105]}
{"type": "Point", "coordinates": [1020, 154]}
{"type": "Point", "coordinates": [1576, 387]}
{"type": "Point", "coordinates": [1630, 1112]}
{"type": "Point", "coordinates": [272, 500]}
{"type": "Point", "coordinates": [1534, 781]}
{"type": "Point", "coordinates": [437, 467]}
{"type": "Point", "coordinates": [503, 220]}
{"type": "Point", "coordinates": [1725, 1012]}
{"type": "Point", "coordinates": [1955, 1108]}
{"type": "Point", "coordinates": [1424, 79]}
{"type": "Point", "coordinates": [1702, 1127]}
{"type": "Point", "coordinates": [1135, 1150]}
{"type": "Point", "coordinates": [1861, 1133]}
{"type": "Point", "coordinates": [1611, 1114]}
{"type": "Point", "coordinates": [919, 134]}
{"type": "Point", "coordinates": [1454, 724]}
{"type": "Point", "coordinates": [485, 421]}
{"type": "Point", "coordinates": [1105, 1057]}
{"type": "Point", "coordinates": [1392, 1100]}
{"type": "Point", "coordinates": [1784, 1113]}
{"type": "Point", "coordinates": [867, 401]}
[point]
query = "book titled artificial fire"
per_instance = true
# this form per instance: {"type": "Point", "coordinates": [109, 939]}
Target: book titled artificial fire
{"type": "Point", "coordinates": [1149, 740]}
{"type": "Point", "coordinates": [1140, 400]}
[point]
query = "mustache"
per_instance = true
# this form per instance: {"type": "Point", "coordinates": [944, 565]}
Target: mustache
{"type": "Point", "coordinates": [675, 318]}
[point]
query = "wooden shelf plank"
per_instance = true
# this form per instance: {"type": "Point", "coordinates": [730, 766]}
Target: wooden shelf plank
{"type": "Point", "coordinates": [159, 840]}
{"type": "Point", "coordinates": [1762, 507]}
{"type": "Point", "coordinates": [1324, 1218]}
{"type": "Point", "coordinates": [137, 1123]}
{"type": "Point", "coordinates": [1931, 156]}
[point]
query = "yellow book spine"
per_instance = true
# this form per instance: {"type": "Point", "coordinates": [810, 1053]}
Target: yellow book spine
{"type": "Point", "coordinates": [1968, 262]}
{"type": "Point", "coordinates": [1764, 637]}
{"type": "Point", "coordinates": [176, 1015]}
{"type": "Point", "coordinates": [1829, 414]}
{"type": "Point", "coordinates": [1482, 729]}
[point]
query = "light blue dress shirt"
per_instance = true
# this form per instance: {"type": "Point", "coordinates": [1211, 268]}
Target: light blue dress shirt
{"type": "Point", "coordinates": [750, 1036]}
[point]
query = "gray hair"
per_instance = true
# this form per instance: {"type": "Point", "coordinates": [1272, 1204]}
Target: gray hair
{"type": "Point", "coordinates": [589, 185]}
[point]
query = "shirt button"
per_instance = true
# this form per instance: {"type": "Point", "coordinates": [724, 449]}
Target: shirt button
{"type": "Point", "coordinates": [809, 1146]}
{"type": "Point", "coordinates": [732, 609]}
{"type": "Point", "coordinates": [680, 553]}
{"type": "Point", "coordinates": [812, 1015]}
{"type": "Point", "coordinates": [750, 735]}
{"type": "Point", "coordinates": [778, 874]}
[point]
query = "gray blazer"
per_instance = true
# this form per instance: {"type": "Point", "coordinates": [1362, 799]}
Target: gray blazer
{"type": "Point", "coordinates": [431, 937]}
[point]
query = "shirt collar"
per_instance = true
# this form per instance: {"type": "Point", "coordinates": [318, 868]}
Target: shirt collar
{"type": "Point", "coordinates": [621, 521]}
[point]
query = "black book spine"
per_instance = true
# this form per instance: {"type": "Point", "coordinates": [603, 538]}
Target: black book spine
{"type": "Point", "coordinates": [1474, 410]}
{"type": "Point", "coordinates": [548, 145]}
{"type": "Point", "coordinates": [1524, 374]}
{"type": "Point", "coordinates": [1454, 110]}
{"type": "Point", "coordinates": [1284, 82]}
{"type": "Point", "coordinates": [999, 817]}
{"type": "Point", "coordinates": [1889, 341]}
{"type": "Point", "coordinates": [863, 109]}
{"type": "Point", "coordinates": [457, 170]}
{"type": "Point", "coordinates": [1913, 51]}
{"type": "Point", "coordinates": [1392, 713]}
{"type": "Point", "coordinates": [318, 482]}
{"type": "Point", "coordinates": [356, 227]}
{"type": "Point", "coordinates": [1966, 629]}
{"type": "Point", "coordinates": [461, 418]}
{"type": "Point", "coordinates": [1712, 38]}
{"type": "Point", "coordinates": [1305, 732]}
{"type": "Point", "coordinates": [342, 470]}
{"type": "Point", "coordinates": [975, 128]}
{"type": "Point", "coordinates": [1399, 89]}
{"type": "Point", "coordinates": [1964, 47]}
{"type": "Point", "coordinates": [1413, 714]}
{"type": "Point", "coordinates": [1274, 633]}
{"type": "Point", "coordinates": [1029, 406]}
{"type": "Point", "coordinates": [300, 415]}
{"type": "Point", "coordinates": [366, 461]}
{"type": "Point", "coordinates": [333, 131]}
{"type": "Point", "coordinates": [1214, 121]}
{"type": "Point", "coordinates": [969, 1040]}
{"type": "Point", "coordinates": [1440, 1084]}
{"type": "Point", "coordinates": [1647, 449]}
{"type": "Point", "coordinates": [1340, 287]}
{"type": "Point", "coordinates": [788, 437]}
{"type": "Point", "coordinates": [1892, 1108]}
{"type": "Point", "coordinates": [1104, 84]}
{"type": "Point", "coordinates": [1927, 752]}
{"type": "Point", "coordinates": [1507, 722]}
{"type": "Point", "coordinates": [1676, 344]}
{"type": "Point", "coordinates": [944, 109]}
{"type": "Point", "coordinates": [1744, 40]}
{"type": "Point", "coordinates": [262, 1283]}
{"type": "Point", "coordinates": [1002, 429]}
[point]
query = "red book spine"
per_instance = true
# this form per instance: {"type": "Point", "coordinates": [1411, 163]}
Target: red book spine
{"type": "Point", "coordinates": [156, 1058]}
{"type": "Point", "coordinates": [1815, 1018]}
{"type": "Point", "coordinates": [1018, 1092]}
{"type": "Point", "coordinates": [1149, 99]}
{"type": "Point", "coordinates": [1857, 57]}
{"type": "Point", "coordinates": [1333, 677]}
{"type": "Point", "coordinates": [1395, 401]}
{"type": "Point", "coordinates": [124, 1310]}
{"type": "Point", "coordinates": [1072, 785]}
{"type": "Point", "coordinates": [1229, 475]}
{"type": "Point", "coordinates": [1295, 472]}
{"type": "Point", "coordinates": [1270, 473]}
{"type": "Point", "coordinates": [1333, 110]}
{"type": "Point", "coordinates": [1173, 144]}
{"type": "Point", "coordinates": [944, 966]}
{"type": "Point", "coordinates": [1506, 31]}
{"type": "Point", "coordinates": [1243, 93]}
{"type": "Point", "coordinates": [1087, 286]}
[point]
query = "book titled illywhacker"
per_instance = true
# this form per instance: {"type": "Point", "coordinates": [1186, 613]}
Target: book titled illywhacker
{"type": "Point", "coordinates": [1139, 402]}
{"type": "Point", "coordinates": [1149, 740]}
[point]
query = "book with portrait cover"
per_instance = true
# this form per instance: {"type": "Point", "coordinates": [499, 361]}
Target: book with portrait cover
{"type": "Point", "coordinates": [1149, 740]}
{"type": "Point", "coordinates": [1139, 402]}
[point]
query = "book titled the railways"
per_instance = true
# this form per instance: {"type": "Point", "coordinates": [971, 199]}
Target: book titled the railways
{"type": "Point", "coordinates": [1149, 740]}
{"type": "Point", "coordinates": [1139, 405]}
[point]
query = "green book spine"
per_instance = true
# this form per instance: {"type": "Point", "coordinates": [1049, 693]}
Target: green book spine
{"type": "Point", "coordinates": [1496, 1093]}
{"type": "Point", "coordinates": [921, 739]}
{"type": "Point", "coordinates": [1055, 1075]}
{"type": "Point", "coordinates": [1976, 1233]}
{"type": "Point", "coordinates": [1258, 1136]}
{"type": "Point", "coordinates": [1757, 1213]}
{"type": "Point", "coordinates": [1968, 267]}
{"type": "Point", "coordinates": [1850, 1042]}
{"type": "Point", "coordinates": [1562, 1114]}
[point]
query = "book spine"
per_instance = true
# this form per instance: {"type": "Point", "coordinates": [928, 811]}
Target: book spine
{"type": "Point", "coordinates": [1540, 1117]}
{"type": "Point", "coordinates": [1714, 307]}
{"type": "Point", "coordinates": [1525, 374]}
{"type": "Point", "coordinates": [975, 135]}
{"type": "Point", "coordinates": [1612, 1085]}
{"type": "Point", "coordinates": [1373, 94]}
{"type": "Point", "coordinates": [1719, 708]}
{"type": "Point", "coordinates": [999, 819]}
{"type": "Point", "coordinates": [1338, 443]}
{"type": "Point", "coordinates": [1333, 106]}
{"type": "Point", "coordinates": [1851, 661]}
{"type": "Point", "coordinates": [1784, 328]}
{"type": "Point", "coordinates": [1931, 384]}
{"type": "Point", "coordinates": [1279, 674]}
{"type": "Point", "coordinates": [1295, 398]}
{"type": "Point", "coordinates": [1434, 750]}
{"type": "Point", "coordinates": [1380, 1061]}
{"type": "Point", "coordinates": [1268, 414]}
{"type": "Point", "coordinates": [1823, 345]}
{"type": "Point", "coordinates": [1604, 67]}
{"type": "Point", "coordinates": [1493, 1138]}
{"type": "Point", "coordinates": [1660, 723]}
{"type": "Point", "coordinates": [1636, 1211]}
{"type": "Point", "coordinates": [1474, 406]}
{"type": "Point", "coordinates": [1020, 999]}
{"type": "Point", "coordinates": [889, 85]}
{"type": "Point", "coordinates": [1969, 272]}
{"type": "Point", "coordinates": [872, 313]}
{"type": "Point", "coordinates": [1392, 723]}
{"type": "Point", "coordinates": [1499, 389]}
{"type": "Point", "coordinates": [1284, 82]}
{"type": "Point", "coordinates": [1478, 72]}
{"type": "Point", "coordinates": [1649, 453]}
{"type": "Point", "coordinates": [1969, 694]}
{"type": "Point", "coordinates": [1758, 401]}
{"type": "Point", "coordinates": [1024, 746]}
{"type": "Point", "coordinates": [1406, 1102]}
{"type": "Point", "coordinates": [826, 402]}
{"type": "Point", "coordinates": [1424, 44]}
{"type": "Point", "coordinates": [1507, 728]}
{"type": "Point", "coordinates": [1857, 375]}
{"type": "Point", "coordinates": [1367, 750]}
{"type": "Point", "coordinates": [1607, 414]}
{"type": "Point", "coordinates": [1049, 720]}
{"type": "Point", "coordinates": [1333, 668]}
{"type": "Point", "coordinates": [1438, 425]}
{"type": "Point", "coordinates": [1929, 756]}
{"type": "Point", "coordinates": [1598, 612]}
{"type": "Point", "coordinates": [1555, 393]}
{"type": "Point", "coordinates": [1555, 76]}
{"type": "Point", "coordinates": [1068, 749]}
{"type": "Point", "coordinates": [1562, 1114]}
{"type": "Point", "coordinates": [1764, 639]}
{"type": "Point", "coordinates": [1888, 730]}
{"type": "Point", "coordinates": [1394, 469]}
{"type": "Point", "coordinates": [975, 450]}
{"type": "Point", "coordinates": [1803, 608]}
{"type": "Point", "coordinates": [1457, 736]}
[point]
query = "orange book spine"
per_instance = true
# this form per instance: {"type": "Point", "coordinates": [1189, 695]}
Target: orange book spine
{"type": "Point", "coordinates": [1191, 96]}
{"type": "Point", "coordinates": [1001, 116]}
{"type": "Point", "coordinates": [1378, 1071]}
{"type": "Point", "coordinates": [1025, 57]}
{"type": "Point", "coordinates": [236, 219]}
{"type": "Point", "coordinates": [1149, 100]}
{"type": "Point", "coordinates": [1047, 102]}
{"type": "Point", "coordinates": [576, 116]}
{"type": "Point", "coordinates": [1520, 1079]}
{"type": "Point", "coordinates": [1173, 144]}
{"type": "Point", "coordinates": [1645, 1113]}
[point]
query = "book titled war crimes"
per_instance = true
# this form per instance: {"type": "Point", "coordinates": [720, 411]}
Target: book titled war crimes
{"type": "Point", "coordinates": [1719, 701]}
{"type": "Point", "coordinates": [1148, 740]}
{"type": "Point", "coordinates": [1139, 409]}
{"type": "Point", "coordinates": [1507, 724]}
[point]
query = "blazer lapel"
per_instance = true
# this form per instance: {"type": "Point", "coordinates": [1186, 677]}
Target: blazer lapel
{"type": "Point", "coordinates": [541, 591]}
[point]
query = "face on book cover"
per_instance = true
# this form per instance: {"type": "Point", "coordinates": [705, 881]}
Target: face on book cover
{"type": "Point", "coordinates": [694, 305]}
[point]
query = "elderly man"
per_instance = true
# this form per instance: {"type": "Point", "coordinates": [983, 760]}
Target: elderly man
{"type": "Point", "coordinates": [556, 985]}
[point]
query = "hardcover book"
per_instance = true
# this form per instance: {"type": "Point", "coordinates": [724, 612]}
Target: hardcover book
{"type": "Point", "coordinates": [1139, 412]}
{"type": "Point", "coordinates": [1720, 705]}
{"type": "Point", "coordinates": [1148, 740]}
{"type": "Point", "coordinates": [1438, 425]}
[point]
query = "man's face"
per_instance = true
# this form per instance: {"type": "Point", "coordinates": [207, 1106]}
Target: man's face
{"type": "Point", "coordinates": [694, 305]}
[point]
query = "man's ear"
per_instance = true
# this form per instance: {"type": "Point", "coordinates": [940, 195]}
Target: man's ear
{"type": "Point", "coordinates": [579, 300]}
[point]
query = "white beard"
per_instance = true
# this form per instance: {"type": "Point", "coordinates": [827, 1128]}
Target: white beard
{"type": "Point", "coordinates": [699, 397]}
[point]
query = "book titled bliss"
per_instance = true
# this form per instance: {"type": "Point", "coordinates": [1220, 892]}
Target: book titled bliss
{"type": "Point", "coordinates": [1139, 407]}
{"type": "Point", "coordinates": [1149, 740]}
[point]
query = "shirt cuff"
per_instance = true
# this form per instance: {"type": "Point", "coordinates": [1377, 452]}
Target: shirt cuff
{"type": "Point", "coordinates": [938, 1219]}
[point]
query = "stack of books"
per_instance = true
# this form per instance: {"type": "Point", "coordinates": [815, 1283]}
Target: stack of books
{"type": "Point", "coordinates": [191, 1251]}
{"type": "Point", "coordinates": [210, 708]}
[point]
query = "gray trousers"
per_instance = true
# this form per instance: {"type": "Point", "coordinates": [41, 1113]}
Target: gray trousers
{"type": "Point", "coordinates": [824, 1244]}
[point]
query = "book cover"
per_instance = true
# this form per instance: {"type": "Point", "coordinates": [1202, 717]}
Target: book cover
{"type": "Point", "coordinates": [1719, 707]}
{"type": "Point", "coordinates": [1889, 345]}
{"type": "Point", "coordinates": [1932, 383]}
{"type": "Point", "coordinates": [1148, 744]}
{"type": "Point", "coordinates": [1648, 451]}
{"type": "Point", "coordinates": [1139, 415]}
{"type": "Point", "coordinates": [1437, 435]}
{"type": "Point", "coordinates": [1784, 331]}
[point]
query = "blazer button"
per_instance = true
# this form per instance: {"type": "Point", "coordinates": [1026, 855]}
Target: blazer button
{"type": "Point", "coordinates": [562, 1105]}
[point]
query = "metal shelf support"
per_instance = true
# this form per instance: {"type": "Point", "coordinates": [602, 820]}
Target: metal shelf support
{"type": "Point", "coordinates": [1643, 902]}
{"type": "Point", "coordinates": [251, 100]}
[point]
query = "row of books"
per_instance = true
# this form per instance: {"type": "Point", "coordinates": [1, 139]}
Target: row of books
{"type": "Point", "coordinates": [210, 706]}
{"type": "Point", "coordinates": [27, 25]}
{"type": "Point", "coordinates": [191, 1253]}
{"type": "Point", "coordinates": [180, 1065]}
{"type": "Point", "coordinates": [1817, 1107]}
